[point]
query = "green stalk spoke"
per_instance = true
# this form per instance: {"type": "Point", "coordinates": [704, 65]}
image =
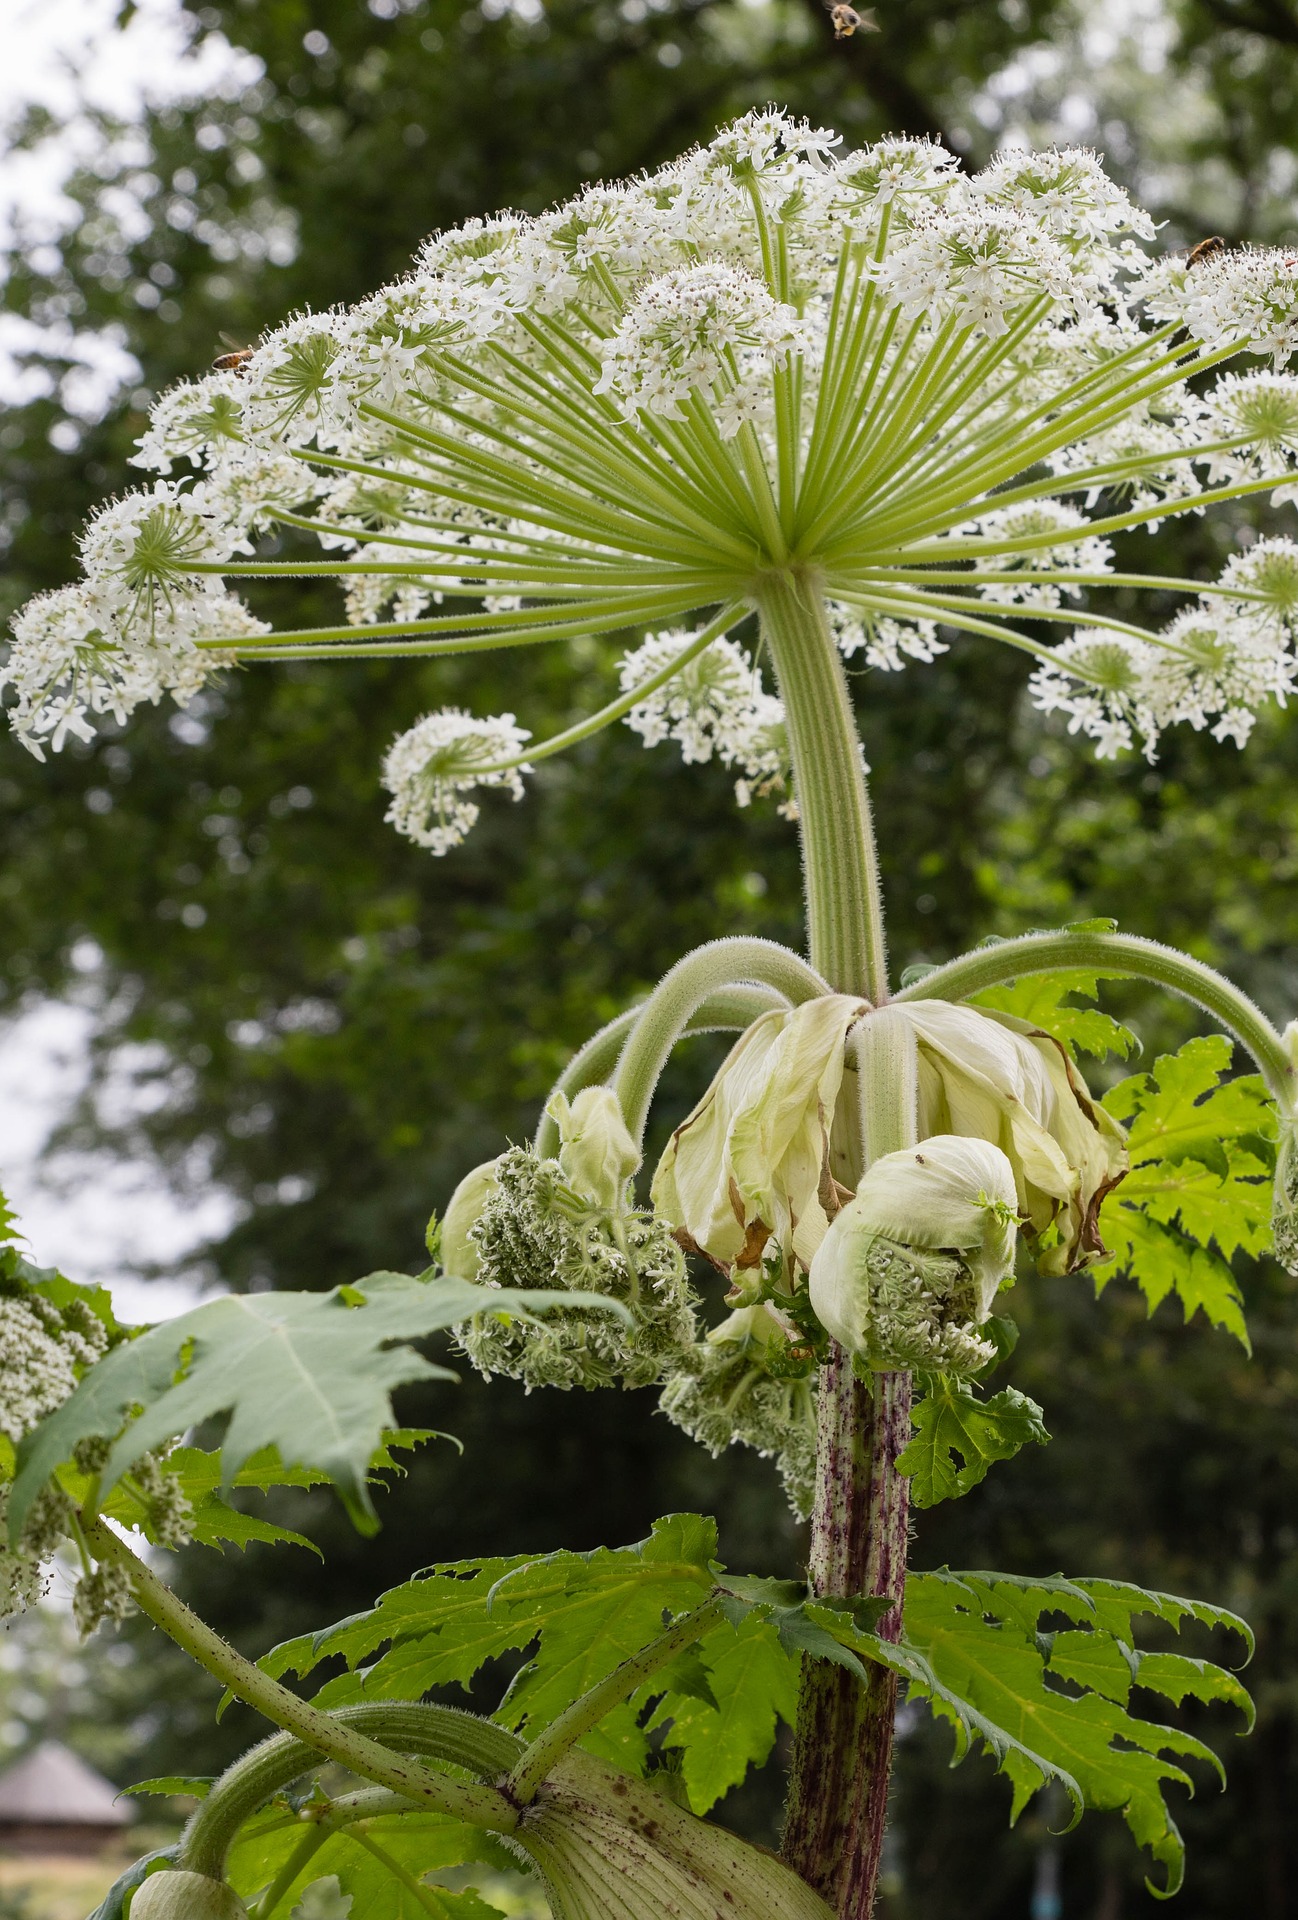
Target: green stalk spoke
{"type": "Point", "coordinates": [934, 451]}
{"type": "Point", "coordinates": [658, 475]}
{"type": "Point", "coordinates": [466, 637]}
{"type": "Point", "coordinates": [942, 604]}
{"type": "Point", "coordinates": [861, 579]}
{"type": "Point", "coordinates": [475, 576]}
{"type": "Point", "coordinates": [619, 708]}
{"type": "Point", "coordinates": [497, 499]}
{"type": "Point", "coordinates": [541, 452]}
{"type": "Point", "coordinates": [583, 512]}
{"type": "Point", "coordinates": [1113, 523]}
{"type": "Point", "coordinates": [977, 481]}
{"type": "Point", "coordinates": [916, 606]}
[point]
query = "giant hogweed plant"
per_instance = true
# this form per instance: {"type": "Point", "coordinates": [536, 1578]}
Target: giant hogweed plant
{"type": "Point", "coordinates": [774, 408]}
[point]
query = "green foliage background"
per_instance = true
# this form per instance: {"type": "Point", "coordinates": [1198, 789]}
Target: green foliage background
{"type": "Point", "coordinates": [346, 1026]}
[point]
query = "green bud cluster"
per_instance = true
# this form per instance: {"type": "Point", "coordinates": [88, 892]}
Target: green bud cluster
{"type": "Point", "coordinates": [536, 1230]}
{"type": "Point", "coordinates": [923, 1311]}
{"type": "Point", "coordinates": [749, 1384]}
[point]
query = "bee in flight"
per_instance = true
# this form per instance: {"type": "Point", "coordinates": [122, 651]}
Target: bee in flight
{"type": "Point", "coordinates": [1207, 250]}
{"type": "Point", "coordinates": [847, 21]}
{"type": "Point", "coordinates": [235, 359]}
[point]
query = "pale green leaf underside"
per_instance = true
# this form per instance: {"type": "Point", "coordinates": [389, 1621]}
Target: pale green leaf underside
{"type": "Point", "coordinates": [309, 1374]}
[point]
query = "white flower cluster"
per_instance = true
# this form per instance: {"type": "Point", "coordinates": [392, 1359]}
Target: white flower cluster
{"type": "Point", "coordinates": [432, 767]}
{"type": "Point", "coordinates": [1011, 528]}
{"type": "Point", "coordinates": [536, 1230]}
{"type": "Point", "coordinates": [886, 643]}
{"type": "Point", "coordinates": [638, 405]}
{"type": "Point", "coordinates": [41, 1349]}
{"type": "Point", "coordinates": [740, 1388]}
{"type": "Point", "coordinates": [1240, 293]}
{"type": "Point", "coordinates": [129, 631]}
{"type": "Point", "coordinates": [713, 331]}
{"type": "Point", "coordinates": [716, 704]}
{"type": "Point", "coordinates": [1215, 664]}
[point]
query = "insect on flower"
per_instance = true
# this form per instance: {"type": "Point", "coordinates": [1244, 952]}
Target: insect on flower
{"type": "Point", "coordinates": [1207, 250]}
{"type": "Point", "coordinates": [235, 359]}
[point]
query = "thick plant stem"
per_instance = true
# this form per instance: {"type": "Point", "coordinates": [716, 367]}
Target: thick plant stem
{"type": "Point", "coordinates": [840, 867]}
{"type": "Point", "coordinates": [842, 1754]}
{"type": "Point", "coordinates": [728, 1010]}
{"type": "Point", "coordinates": [661, 1020]}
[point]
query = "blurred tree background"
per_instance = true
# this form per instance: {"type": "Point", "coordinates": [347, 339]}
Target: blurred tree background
{"type": "Point", "coordinates": [336, 1027]}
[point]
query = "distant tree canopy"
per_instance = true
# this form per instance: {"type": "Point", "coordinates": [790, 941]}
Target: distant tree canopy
{"type": "Point", "coordinates": [346, 1025]}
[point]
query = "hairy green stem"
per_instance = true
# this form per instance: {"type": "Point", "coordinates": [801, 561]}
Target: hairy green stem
{"type": "Point", "coordinates": [321, 1732]}
{"type": "Point", "coordinates": [440, 1733]}
{"type": "Point", "coordinates": [1132, 957]}
{"type": "Point", "coordinates": [728, 1010]}
{"type": "Point", "coordinates": [840, 867]}
{"type": "Point", "coordinates": [586, 1712]}
{"type": "Point", "coordinates": [662, 1019]}
{"type": "Point", "coordinates": [833, 1834]}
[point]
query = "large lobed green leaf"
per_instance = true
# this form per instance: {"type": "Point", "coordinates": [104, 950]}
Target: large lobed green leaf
{"type": "Point", "coordinates": [1199, 1191]}
{"type": "Point", "coordinates": [1046, 999]}
{"type": "Point", "coordinates": [1038, 1673]}
{"type": "Point", "coordinates": [1057, 1705]}
{"type": "Point", "coordinates": [308, 1374]}
{"type": "Point", "coordinates": [958, 1435]}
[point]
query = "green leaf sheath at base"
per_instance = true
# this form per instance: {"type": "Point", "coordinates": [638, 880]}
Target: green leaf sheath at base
{"type": "Point", "coordinates": [609, 1847]}
{"type": "Point", "coordinates": [1199, 1190]}
{"type": "Point", "coordinates": [958, 1436]}
{"type": "Point", "coordinates": [308, 1374]}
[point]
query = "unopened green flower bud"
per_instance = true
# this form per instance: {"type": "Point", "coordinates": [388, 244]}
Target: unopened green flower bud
{"type": "Point", "coordinates": [455, 1247]}
{"type": "Point", "coordinates": [178, 1895]}
{"type": "Point", "coordinates": [909, 1269]}
{"type": "Point", "coordinates": [991, 1076]}
{"type": "Point", "coordinates": [751, 1163]}
{"type": "Point", "coordinates": [598, 1155]}
{"type": "Point", "coordinates": [610, 1847]}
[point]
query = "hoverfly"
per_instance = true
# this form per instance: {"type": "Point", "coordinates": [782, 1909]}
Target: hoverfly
{"type": "Point", "coordinates": [235, 359]}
